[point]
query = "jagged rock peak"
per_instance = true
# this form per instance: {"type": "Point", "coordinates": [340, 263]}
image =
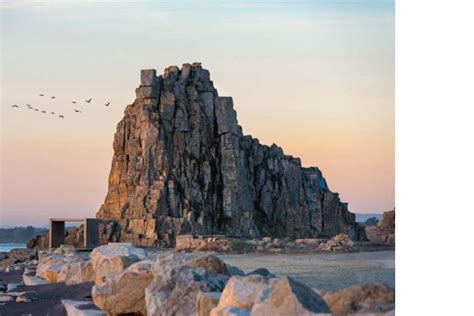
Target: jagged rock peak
{"type": "Point", "coordinates": [182, 165]}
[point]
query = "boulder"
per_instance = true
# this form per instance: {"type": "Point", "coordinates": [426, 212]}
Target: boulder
{"type": "Point", "coordinates": [260, 295]}
{"type": "Point", "coordinates": [206, 301]}
{"type": "Point", "coordinates": [124, 293]}
{"type": "Point", "coordinates": [229, 311]}
{"type": "Point", "coordinates": [208, 262]}
{"type": "Point", "coordinates": [174, 290]}
{"type": "Point", "coordinates": [32, 280]}
{"type": "Point", "coordinates": [21, 255]}
{"type": "Point", "coordinates": [310, 242]}
{"type": "Point", "coordinates": [288, 297]}
{"type": "Point", "coordinates": [81, 308]}
{"type": "Point", "coordinates": [339, 243]}
{"type": "Point", "coordinates": [77, 272]}
{"type": "Point", "coordinates": [114, 258]}
{"type": "Point", "coordinates": [50, 266]}
{"type": "Point", "coordinates": [6, 298]}
{"type": "Point", "coordinates": [65, 249]}
{"type": "Point", "coordinates": [244, 292]}
{"type": "Point", "coordinates": [361, 299]}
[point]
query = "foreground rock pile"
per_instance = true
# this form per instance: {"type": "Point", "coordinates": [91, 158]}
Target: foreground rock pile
{"type": "Point", "coordinates": [129, 281]}
{"type": "Point", "coordinates": [182, 165]}
{"type": "Point", "coordinates": [339, 243]}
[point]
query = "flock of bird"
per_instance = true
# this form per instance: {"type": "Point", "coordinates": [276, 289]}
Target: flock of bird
{"type": "Point", "coordinates": [61, 116]}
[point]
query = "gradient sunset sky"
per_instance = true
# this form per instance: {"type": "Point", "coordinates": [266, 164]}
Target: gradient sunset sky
{"type": "Point", "coordinates": [314, 77]}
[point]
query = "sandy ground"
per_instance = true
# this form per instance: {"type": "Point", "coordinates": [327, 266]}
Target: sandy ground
{"type": "Point", "coordinates": [324, 271]}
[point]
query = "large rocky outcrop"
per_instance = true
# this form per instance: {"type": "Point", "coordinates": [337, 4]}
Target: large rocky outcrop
{"type": "Point", "coordinates": [182, 165]}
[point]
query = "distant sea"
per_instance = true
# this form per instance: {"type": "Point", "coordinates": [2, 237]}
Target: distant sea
{"type": "Point", "coordinates": [7, 246]}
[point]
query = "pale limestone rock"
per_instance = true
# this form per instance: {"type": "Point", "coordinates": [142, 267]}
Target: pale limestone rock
{"type": "Point", "coordinates": [260, 295]}
{"type": "Point", "coordinates": [65, 250]}
{"type": "Point", "coordinates": [361, 299]}
{"type": "Point", "coordinates": [229, 311]}
{"type": "Point", "coordinates": [208, 262]}
{"type": "Point", "coordinates": [31, 280]}
{"type": "Point", "coordinates": [244, 292]}
{"type": "Point", "coordinates": [174, 290]}
{"type": "Point", "coordinates": [288, 297]}
{"type": "Point", "coordinates": [114, 258]}
{"type": "Point", "coordinates": [124, 292]}
{"type": "Point", "coordinates": [22, 299]}
{"type": "Point", "coordinates": [206, 301]}
{"type": "Point", "coordinates": [77, 272]}
{"type": "Point", "coordinates": [81, 308]}
{"type": "Point", "coordinates": [5, 298]}
{"type": "Point", "coordinates": [50, 266]}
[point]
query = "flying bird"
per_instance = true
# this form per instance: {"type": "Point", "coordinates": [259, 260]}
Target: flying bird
{"type": "Point", "coordinates": [28, 105]}
{"type": "Point", "coordinates": [61, 117]}
{"type": "Point", "coordinates": [52, 113]}
{"type": "Point", "coordinates": [53, 97]}
{"type": "Point", "coordinates": [41, 95]}
{"type": "Point", "coordinates": [107, 104]}
{"type": "Point", "coordinates": [74, 102]}
{"type": "Point", "coordinates": [77, 111]}
{"type": "Point", "coordinates": [36, 110]}
{"type": "Point", "coordinates": [89, 100]}
{"type": "Point", "coordinates": [43, 111]}
{"type": "Point", "coordinates": [14, 106]}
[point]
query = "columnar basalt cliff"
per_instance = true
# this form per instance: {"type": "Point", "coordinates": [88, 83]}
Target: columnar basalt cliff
{"type": "Point", "coordinates": [182, 165]}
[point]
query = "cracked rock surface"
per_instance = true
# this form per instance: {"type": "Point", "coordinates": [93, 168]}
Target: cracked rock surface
{"type": "Point", "coordinates": [182, 165]}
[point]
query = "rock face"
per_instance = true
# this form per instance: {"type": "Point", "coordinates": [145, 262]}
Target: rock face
{"type": "Point", "coordinates": [182, 165]}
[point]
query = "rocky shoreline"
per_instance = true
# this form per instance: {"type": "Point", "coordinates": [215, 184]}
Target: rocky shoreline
{"type": "Point", "coordinates": [119, 278]}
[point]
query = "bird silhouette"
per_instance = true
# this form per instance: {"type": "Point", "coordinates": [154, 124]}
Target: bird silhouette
{"type": "Point", "coordinates": [43, 111]}
{"type": "Point", "coordinates": [41, 95]}
{"type": "Point", "coordinates": [61, 116]}
{"type": "Point", "coordinates": [77, 111]}
{"type": "Point", "coordinates": [53, 97]}
{"type": "Point", "coordinates": [36, 110]}
{"type": "Point", "coordinates": [74, 102]}
{"type": "Point", "coordinates": [107, 104]}
{"type": "Point", "coordinates": [28, 105]}
{"type": "Point", "coordinates": [14, 106]}
{"type": "Point", "coordinates": [89, 100]}
{"type": "Point", "coordinates": [52, 113]}
{"type": "Point", "coordinates": [30, 108]}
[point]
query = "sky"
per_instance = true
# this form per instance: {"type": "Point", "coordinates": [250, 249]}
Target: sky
{"type": "Point", "coordinates": [314, 77]}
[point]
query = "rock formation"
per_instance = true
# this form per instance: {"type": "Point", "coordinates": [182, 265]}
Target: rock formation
{"type": "Point", "coordinates": [384, 230]}
{"type": "Point", "coordinates": [182, 165]}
